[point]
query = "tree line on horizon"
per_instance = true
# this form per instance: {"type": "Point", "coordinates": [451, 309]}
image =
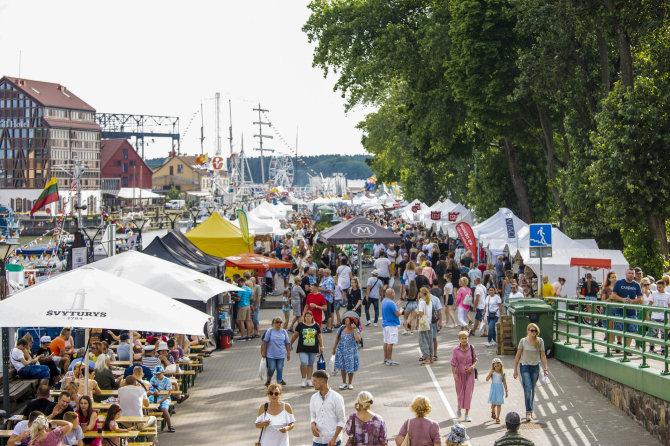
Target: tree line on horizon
{"type": "Point", "coordinates": [556, 109]}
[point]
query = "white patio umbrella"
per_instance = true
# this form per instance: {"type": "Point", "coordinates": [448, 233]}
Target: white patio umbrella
{"type": "Point", "coordinates": [90, 298]}
{"type": "Point", "coordinates": [171, 279]}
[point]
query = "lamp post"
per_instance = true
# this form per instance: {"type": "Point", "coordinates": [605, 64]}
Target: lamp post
{"type": "Point", "coordinates": [5, 250]}
{"type": "Point", "coordinates": [91, 233]}
{"type": "Point", "coordinates": [139, 223]}
{"type": "Point", "coordinates": [172, 216]}
{"type": "Point", "coordinates": [194, 213]}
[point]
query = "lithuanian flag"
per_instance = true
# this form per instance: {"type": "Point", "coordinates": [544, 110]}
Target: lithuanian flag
{"type": "Point", "coordinates": [48, 195]}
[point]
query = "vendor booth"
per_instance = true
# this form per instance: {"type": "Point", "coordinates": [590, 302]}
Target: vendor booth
{"type": "Point", "coordinates": [218, 237]}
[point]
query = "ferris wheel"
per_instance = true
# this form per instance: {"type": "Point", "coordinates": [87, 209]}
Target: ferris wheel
{"type": "Point", "coordinates": [281, 171]}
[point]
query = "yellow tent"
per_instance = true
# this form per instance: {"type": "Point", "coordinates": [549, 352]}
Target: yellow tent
{"type": "Point", "coordinates": [218, 237]}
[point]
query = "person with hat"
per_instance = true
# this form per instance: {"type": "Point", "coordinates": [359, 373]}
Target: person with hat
{"type": "Point", "coordinates": [164, 354]}
{"type": "Point", "coordinates": [149, 358]}
{"type": "Point", "coordinates": [161, 383]}
{"type": "Point", "coordinates": [372, 294]}
{"type": "Point", "coordinates": [45, 357]}
{"type": "Point", "coordinates": [124, 349]}
{"type": "Point", "coordinates": [512, 437]}
{"type": "Point", "coordinates": [457, 436]}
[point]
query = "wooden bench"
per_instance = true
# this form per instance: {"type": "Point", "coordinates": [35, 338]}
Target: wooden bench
{"type": "Point", "coordinates": [19, 388]}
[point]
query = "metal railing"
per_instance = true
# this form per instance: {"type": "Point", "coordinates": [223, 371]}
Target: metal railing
{"type": "Point", "coordinates": [588, 323]}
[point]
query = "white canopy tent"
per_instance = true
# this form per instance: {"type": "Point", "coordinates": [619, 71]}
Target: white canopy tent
{"type": "Point", "coordinates": [493, 232]}
{"type": "Point", "coordinates": [137, 193]}
{"type": "Point", "coordinates": [171, 279]}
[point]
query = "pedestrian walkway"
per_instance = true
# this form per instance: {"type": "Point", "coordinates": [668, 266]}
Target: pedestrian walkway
{"type": "Point", "coordinates": [225, 402]}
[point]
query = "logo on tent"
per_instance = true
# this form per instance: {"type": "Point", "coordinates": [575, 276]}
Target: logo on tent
{"type": "Point", "coordinates": [77, 311]}
{"type": "Point", "coordinates": [363, 230]}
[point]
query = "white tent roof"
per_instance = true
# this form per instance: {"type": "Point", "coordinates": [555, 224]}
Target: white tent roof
{"type": "Point", "coordinates": [134, 192]}
{"type": "Point", "coordinates": [558, 265]}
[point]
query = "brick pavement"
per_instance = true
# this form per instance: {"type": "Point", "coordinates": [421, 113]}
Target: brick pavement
{"type": "Point", "coordinates": [225, 400]}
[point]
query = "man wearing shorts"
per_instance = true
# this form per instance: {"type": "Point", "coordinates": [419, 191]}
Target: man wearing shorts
{"type": "Point", "coordinates": [479, 303]}
{"type": "Point", "coordinates": [244, 311]}
{"type": "Point", "coordinates": [390, 324]}
{"type": "Point", "coordinates": [327, 287]}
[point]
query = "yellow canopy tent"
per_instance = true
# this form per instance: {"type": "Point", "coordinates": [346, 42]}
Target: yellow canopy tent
{"type": "Point", "coordinates": [218, 237]}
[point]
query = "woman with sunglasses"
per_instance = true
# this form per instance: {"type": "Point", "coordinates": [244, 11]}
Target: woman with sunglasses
{"type": "Point", "coordinates": [276, 348]}
{"type": "Point", "coordinates": [527, 363]}
{"type": "Point", "coordinates": [275, 418]}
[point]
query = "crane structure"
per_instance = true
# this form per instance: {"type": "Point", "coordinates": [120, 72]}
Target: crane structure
{"type": "Point", "coordinates": [139, 127]}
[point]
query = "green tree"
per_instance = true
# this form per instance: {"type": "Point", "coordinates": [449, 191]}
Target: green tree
{"type": "Point", "coordinates": [173, 194]}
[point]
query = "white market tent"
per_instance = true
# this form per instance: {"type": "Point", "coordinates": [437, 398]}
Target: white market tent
{"type": "Point", "coordinates": [449, 227]}
{"type": "Point", "coordinates": [493, 235]}
{"type": "Point", "coordinates": [408, 214]}
{"type": "Point", "coordinates": [130, 193]}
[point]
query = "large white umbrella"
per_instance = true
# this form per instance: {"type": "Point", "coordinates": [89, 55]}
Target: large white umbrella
{"type": "Point", "coordinates": [168, 278]}
{"type": "Point", "coordinates": [90, 298]}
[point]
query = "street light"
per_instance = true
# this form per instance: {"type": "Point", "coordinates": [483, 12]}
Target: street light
{"type": "Point", "coordinates": [172, 216]}
{"type": "Point", "coordinates": [194, 213]}
{"type": "Point", "coordinates": [139, 223]}
{"type": "Point", "coordinates": [5, 250]}
{"type": "Point", "coordinates": [91, 233]}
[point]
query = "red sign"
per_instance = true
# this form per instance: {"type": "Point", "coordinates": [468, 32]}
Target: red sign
{"type": "Point", "coordinates": [453, 216]}
{"type": "Point", "coordinates": [435, 215]}
{"type": "Point", "coordinates": [218, 163]}
{"type": "Point", "coordinates": [416, 207]}
{"type": "Point", "coordinates": [396, 206]}
{"type": "Point", "coordinates": [467, 236]}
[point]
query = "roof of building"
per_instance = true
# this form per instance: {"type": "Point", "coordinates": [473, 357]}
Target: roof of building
{"type": "Point", "coordinates": [189, 160]}
{"type": "Point", "coordinates": [108, 147]}
{"type": "Point", "coordinates": [50, 94]}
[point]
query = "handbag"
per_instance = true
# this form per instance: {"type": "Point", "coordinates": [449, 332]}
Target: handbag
{"type": "Point", "coordinates": [263, 369]}
{"type": "Point", "coordinates": [321, 363]}
{"type": "Point", "coordinates": [352, 439]}
{"type": "Point", "coordinates": [265, 410]}
{"type": "Point", "coordinates": [405, 441]}
{"type": "Point", "coordinates": [468, 300]}
{"type": "Point", "coordinates": [472, 354]}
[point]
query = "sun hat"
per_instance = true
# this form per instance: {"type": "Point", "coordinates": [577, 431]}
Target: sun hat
{"type": "Point", "coordinates": [162, 346]}
{"type": "Point", "coordinates": [45, 339]}
{"type": "Point", "coordinates": [158, 369]}
{"type": "Point", "coordinates": [149, 348]}
{"type": "Point", "coordinates": [457, 434]}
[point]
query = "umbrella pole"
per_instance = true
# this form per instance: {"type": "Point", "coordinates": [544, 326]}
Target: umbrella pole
{"type": "Point", "coordinates": [86, 339]}
{"type": "Point", "coordinates": [360, 266]}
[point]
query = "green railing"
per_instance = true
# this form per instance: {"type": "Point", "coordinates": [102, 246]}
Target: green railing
{"type": "Point", "coordinates": [578, 323]}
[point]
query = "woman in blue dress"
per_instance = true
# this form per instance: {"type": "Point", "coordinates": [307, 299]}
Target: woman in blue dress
{"type": "Point", "coordinates": [498, 391]}
{"type": "Point", "coordinates": [346, 352]}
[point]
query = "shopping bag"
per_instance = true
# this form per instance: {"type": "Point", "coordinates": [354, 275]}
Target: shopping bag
{"type": "Point", "coordinates": [331, 364]}
{"type": "Point", "coordinates": [263, 370]}
{"type": "Point", "coordinates": [321, 363]}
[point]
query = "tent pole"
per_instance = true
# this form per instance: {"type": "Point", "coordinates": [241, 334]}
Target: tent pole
{"type": "Point", "coordinates": [360, 266]}
{"type": "Point", "coordinates": [86, 339]}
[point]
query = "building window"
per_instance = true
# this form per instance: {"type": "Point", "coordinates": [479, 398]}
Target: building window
{"type": "Point", "coordinates": [124, 181]}
{"type": "Point", "coordinates": [171, 170]}
{"type": "Point", "coordinates": [180, 168]}
{"type": "Point", "coordinates": [124, 168]}
{"type": "Point", "coordinates": [125, 154]}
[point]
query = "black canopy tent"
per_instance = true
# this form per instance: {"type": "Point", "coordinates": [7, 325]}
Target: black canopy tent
{"type": "Point", "coordinates": [182, 246]}
{"type": "Point", "coordinates": [158, 249]}
{"type": "Point", "coordinates": [358, 230]}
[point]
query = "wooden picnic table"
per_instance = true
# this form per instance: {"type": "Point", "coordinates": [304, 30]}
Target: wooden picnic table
{"type": "Point", "coordinates": [111, 434]}
{"type": "Point", "coordinates": [105, 406]}
{"type": "Point", "coordinates": [121, 363]}
{"type": "Point", "coordinates": [189, 378]}
{"type": "Point", "coordinates": [128, 420]}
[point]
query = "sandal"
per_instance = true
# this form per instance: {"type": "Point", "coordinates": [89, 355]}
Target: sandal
{"type": "Point", "coordinates": [493, 415]}
{"type": "Point", "coordinates": [497, 420]}
{"type": "Point", "coordinates": [528, 417]}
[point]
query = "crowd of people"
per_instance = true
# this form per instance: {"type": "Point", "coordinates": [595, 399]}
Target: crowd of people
{"type": "Point", "coordinates": [63, 410]}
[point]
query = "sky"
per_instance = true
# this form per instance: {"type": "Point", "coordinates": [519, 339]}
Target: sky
{"type": "Point", "coordinates": [167, 57]}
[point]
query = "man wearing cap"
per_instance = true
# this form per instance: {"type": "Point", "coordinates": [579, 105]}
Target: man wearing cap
{"type": "Point", "coordinates": [45, 357]}
{"type": "Point", "coordinates": [150, 359]}
{"type": "Point", "coordinates": [124, 349]}
{"type": "Point", "coordinates": [161, 383]}
{"type": "Point", "coordinates": [512, 437]}
{"type": "Point", "coordinates": [372, 294]}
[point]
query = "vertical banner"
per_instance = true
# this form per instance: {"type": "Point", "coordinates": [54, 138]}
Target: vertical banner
{"type": "Point", "coordinates": [435, 215]}
{"type": "Point", "coordinates": [467, 237]}
{"type": "Point", "coordinates": [244, 226]}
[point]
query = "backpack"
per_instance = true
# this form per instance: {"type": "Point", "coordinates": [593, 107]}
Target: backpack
{"type": "Point", "coordinates": [435, 316]}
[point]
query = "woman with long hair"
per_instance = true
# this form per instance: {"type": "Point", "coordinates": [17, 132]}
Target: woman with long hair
{"type": "Point", "coordinates": [410, 308]}
{"type": "Point", "coordinates": [529, 355]}
{"type": "Point", "coordinates": [425, 314]}
{"type": "Point", "coordinates": [88, 419]}
{"type": "Point", "coordinates": [354, 300]}
{"type": "Point", "coordinates": [461, 308]}
{"type": "Point", "coordinates": [113, 414]}
{"type": "Point", "coordinates": [103, 375]}
{"type": "Point", "coordinates": [345, 351]}
{"type": "Point", "coordinates": [310, 343]}
{"type": "Point", "coordinates": [449, 302]}
{"type": "Point", "coordinates": [606, 295]}
{"type": "Point", "coordinates": [408, 276]}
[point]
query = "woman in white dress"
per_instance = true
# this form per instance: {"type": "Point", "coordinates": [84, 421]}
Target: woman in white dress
{"type": "Point", "coordinates": [275, 418]}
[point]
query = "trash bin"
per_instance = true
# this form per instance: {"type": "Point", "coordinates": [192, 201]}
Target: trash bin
{"type": "Point", "coordinates": [525, 311]}
{"type": "Point", "coordinates": [225, 337]}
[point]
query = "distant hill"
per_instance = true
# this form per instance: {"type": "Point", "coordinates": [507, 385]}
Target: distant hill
{"type": "Point", "coordinates": [353, 166]}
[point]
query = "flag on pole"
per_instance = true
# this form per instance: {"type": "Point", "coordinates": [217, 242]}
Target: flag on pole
{"type": "Point", "coordinates": [244, 225]}
{"type": "Point", "coordinates": [48, 195]}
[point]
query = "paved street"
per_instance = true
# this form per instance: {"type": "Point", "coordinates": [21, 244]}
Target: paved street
{"type": "Point", "coordinates": [225, 400]}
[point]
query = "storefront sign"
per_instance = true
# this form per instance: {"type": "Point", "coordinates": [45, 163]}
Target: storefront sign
{"type": "Point", "coordinates": [436, 215]}
{"type": "Point", "coordinates": [416, 208]}
{"type": "Point", "coordinates": [13, 124]}
{"type": "Point", "coordinates": [453, 216]}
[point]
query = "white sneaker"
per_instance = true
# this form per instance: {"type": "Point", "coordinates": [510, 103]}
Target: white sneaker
{"type": "Point", "coordinates": [303, 383]}
{"type": "Point", "coordinates": [350, 387]}
{"type": "Point", "coordinates": [405, 332]}
{"type": "Point", "coordinates": [343, 387]}
{"type": "Point", "coordinates": [411, 332]}
{"type": "Point", "coordinates": [309, 383]}
{"type": "Point", "coordinates": [467, 419]}
{"type": "Point", "coordinates": [458, 413]}
{"type": "Point", "coordinates": [488, 344]}
{"type": "Point", "coordinates": [375, 324]}
{"type": "Point", "coordinates": [367, 323]}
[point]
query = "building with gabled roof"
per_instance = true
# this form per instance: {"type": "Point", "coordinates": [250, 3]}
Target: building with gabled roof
{"type": "Point", "coordinates": [180, 171]}
{"type": "Point", "coordinates": [118, 159]}
{"type": "Point", "coordinates": [44, 129]}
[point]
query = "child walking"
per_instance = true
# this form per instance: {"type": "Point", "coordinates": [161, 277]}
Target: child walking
{"type": "Point", "coordinates": [498, 391]}
{"type": "Point", "coordinates": [286, 307]}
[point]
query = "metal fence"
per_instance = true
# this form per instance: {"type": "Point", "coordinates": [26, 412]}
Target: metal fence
{"type": "Point", "coordinates": [598, 323]}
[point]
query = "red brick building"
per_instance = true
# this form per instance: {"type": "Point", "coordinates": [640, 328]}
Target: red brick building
{"type": "Point", "coordinates": [120, 160]}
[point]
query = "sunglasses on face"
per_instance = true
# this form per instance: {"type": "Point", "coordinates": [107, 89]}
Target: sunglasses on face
{"type": "Point", "coordinates": [274, 393]}
{"type": "Point", "coordinates": [532, 330]}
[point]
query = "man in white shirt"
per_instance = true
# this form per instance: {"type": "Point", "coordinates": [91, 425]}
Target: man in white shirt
{"type": "Point", "coordinates": [383, 266]}
{"type": "Point", "coordinates": [326, 410]}
{"type": "Point", "coordinates": [377, 249]}
{"type": "Point", "coordinates": [479, 303]}
{"type": "Point", "coordinates": [133, 398]}
{"type": "Point", "coordinates": [659, 298]}
{"type": "Point", "coordinates": [515, 293]}
{"type": "Point", "coordinates": [344, 275]}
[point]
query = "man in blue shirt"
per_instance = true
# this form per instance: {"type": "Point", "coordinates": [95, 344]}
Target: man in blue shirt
{"type": "Point", "coordinates": [326, 288]}
{"type": "Point", "coordinates": [124, 348]}
{"type": "Point", "coordinates": [244, 321]}
{"type": "Point", "coordinates": [390, 324]}
{"type": "Point", "coordinates": [629, 292]}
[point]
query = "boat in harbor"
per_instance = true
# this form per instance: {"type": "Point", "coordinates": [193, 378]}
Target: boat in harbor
{"type": "Point", "coordinates": [10, 227]}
